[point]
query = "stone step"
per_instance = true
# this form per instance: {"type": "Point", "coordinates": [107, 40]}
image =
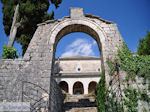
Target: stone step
{"type": "Point", "coordinates": [76, 98]}
{"type": "Point", "coordinates": [79, 103]}
{"type": "Point", "coordinates": [85, 109]}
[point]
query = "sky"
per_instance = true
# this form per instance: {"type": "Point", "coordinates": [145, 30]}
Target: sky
{"type": "Point", "coordinates": [78, 44]}
{"type": "Point", "coordinates": [131, 16]}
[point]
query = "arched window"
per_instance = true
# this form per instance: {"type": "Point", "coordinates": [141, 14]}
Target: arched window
{"type": "Point", "coordinates": [78, 88]}
{"type": "Point", "coordinates": [92, 87]}
{"type": "Point", "coordinates": [64, 86]}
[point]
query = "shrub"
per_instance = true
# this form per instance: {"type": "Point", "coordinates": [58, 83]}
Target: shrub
{"type": "Point", "coordinates": [9, 52]}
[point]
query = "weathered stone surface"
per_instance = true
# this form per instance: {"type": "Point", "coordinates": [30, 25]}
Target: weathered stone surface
{"type": "Point", "coordinates": [72, 64]}
{"type": "Point", "coordinates": [79, 103]}
{"type": "Point", "coordinates": [57, 97]}
{"type": "Point", "coordinates": [76, 12]}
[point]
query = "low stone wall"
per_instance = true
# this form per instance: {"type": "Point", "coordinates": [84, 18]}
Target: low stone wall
{"type": "Point", "coordinates": [57, 97]}
{"type": "Point", "coordinates": [28, 81]}
{"type": "Point", "coordinates": [10, 80]}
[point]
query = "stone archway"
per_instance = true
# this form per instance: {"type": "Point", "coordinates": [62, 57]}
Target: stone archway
{"type": "Point", "coordinates": [71, 26]}
{"type": "Point", "coordinates": [92, 87]}
{"type": "Point", "coordinates": [50, 32]}
{"type": "Point", "coordinates": [78, 88]}
{"type": "Point", "coordinates": [79, 25]}
{"type": "Point", "coordinates": [64, 86]}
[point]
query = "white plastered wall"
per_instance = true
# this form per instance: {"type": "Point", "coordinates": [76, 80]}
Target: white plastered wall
{"type": "Point", "coordinates": [84, 80]}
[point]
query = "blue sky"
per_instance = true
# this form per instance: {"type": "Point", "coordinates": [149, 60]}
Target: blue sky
{"type": "Point", "coordinates": [77, 44]}
{"type": "Point", "coordinates": [131, 16]}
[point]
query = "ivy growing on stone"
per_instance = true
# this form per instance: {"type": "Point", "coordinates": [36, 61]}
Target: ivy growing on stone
{"type": "Point", "coordinates": [134, 66]}
{"type": "Point", "coordinates": [131, 99]}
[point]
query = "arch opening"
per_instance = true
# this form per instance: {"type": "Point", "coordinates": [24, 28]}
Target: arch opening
{"type": "Point", "coordinates": [77, 28]}
{"type": "Point", "coordinates": [68, 26]}
{"type": "Point", "coordinates": [78, 88]}
{"type": "Point", "coordinates": [64, 86]}
{"type": "Point", "coordinates": [77, 44]}
{"type": "Point", "coordinates": [92, 87]}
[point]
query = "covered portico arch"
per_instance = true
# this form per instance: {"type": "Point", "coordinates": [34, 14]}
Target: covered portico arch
{"type": "Point", "coordinates": [78, 88]}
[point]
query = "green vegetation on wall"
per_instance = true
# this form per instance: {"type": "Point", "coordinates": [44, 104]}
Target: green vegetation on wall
{"type": "Point", "coordinates": [131, 99]}
{"type": "Point", "coordinates": [134, 66]}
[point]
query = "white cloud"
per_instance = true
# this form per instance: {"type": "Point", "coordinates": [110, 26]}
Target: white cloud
{"type": "Point", "coordinates": [80, 47]}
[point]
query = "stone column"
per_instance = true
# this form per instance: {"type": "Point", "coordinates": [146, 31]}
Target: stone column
{"type": "Point", "coordinates": [70, 87]}
{"type": "Point", "coordinates": [85, 84]}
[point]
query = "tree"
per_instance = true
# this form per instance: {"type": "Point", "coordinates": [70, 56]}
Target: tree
{"type": "Point", "coordinates": [144, 45]}
{"type": "Point", "coordinates": [14, 27]}
{"type": "Point", "coordinates": [101, 94]}
{"type": "Point", "coordinates": [31, 12]}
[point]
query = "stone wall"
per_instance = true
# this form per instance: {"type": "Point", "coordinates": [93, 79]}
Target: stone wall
{"type": "Point", "coordinates": [11, 76]}
{"type": "Point", "coordinates": [56, 97]}
{"type": "Point", "coordinates": [17, 83]}
{"type": "Point", "coordinates": [78, 65]}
